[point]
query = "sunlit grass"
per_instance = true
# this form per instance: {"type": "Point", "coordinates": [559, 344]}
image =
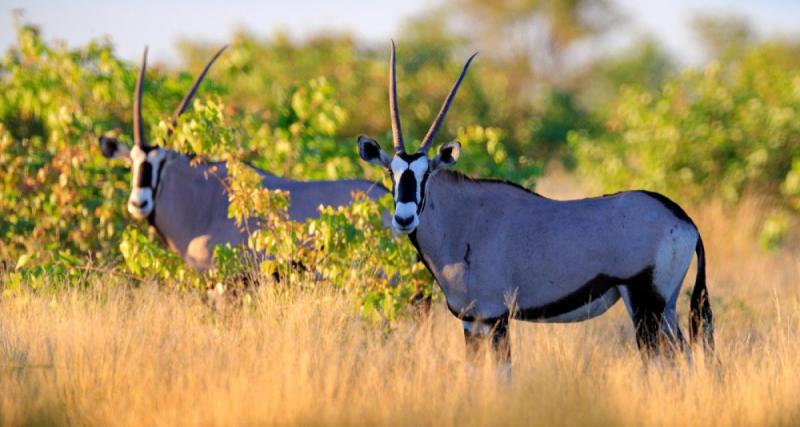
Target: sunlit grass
{"type": "Point", "coordinates": [117, 354]}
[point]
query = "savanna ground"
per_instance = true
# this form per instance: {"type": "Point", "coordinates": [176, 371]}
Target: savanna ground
{"type": "Point", "coordinates": [121, 352]}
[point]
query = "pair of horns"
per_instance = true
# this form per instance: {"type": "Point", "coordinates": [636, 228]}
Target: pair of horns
{"type": "Point", "coordinates": [397, 132]}
{"type": "Point", "coordinates": [138, 125]}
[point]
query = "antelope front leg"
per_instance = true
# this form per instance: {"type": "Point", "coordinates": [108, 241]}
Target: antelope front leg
{"type": "Point", "coordinates": [475, 335]}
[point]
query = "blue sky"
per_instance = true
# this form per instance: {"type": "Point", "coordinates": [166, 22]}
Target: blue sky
{"type": "Point", "coordinates": [131, 25]}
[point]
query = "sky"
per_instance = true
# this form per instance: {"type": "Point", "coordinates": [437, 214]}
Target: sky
{"type": "Point", "coordinates": [669, 20]}
{"type": "Point", "coordinates": [159, 24]}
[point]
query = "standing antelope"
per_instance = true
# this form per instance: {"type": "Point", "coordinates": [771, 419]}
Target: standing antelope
{"type": "Point", "coordinates": [499, 251]}
{"type": "Point", "coordinates": [188, 204]}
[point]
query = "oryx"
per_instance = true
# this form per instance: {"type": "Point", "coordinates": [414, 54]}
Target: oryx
{"type": "Point", "coordinates": [499, 251]}
{"type": "Point", "coordinates": [188, 203]}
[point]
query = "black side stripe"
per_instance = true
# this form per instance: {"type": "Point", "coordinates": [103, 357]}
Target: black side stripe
{"type": "Point", "coordinates": [592, 290]}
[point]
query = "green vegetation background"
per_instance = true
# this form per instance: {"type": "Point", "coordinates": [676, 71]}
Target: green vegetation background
{"type": "Point", "coordinates": [624, 120]}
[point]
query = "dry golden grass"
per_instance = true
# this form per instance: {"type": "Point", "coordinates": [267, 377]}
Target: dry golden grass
{"type": "Point", "coordinates": [116, 355]}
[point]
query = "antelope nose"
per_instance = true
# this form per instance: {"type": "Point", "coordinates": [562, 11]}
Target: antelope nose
{"type": "Point", "coordinates": [138, 204]}
{"type": "Point", "coordinates": [404, 222]}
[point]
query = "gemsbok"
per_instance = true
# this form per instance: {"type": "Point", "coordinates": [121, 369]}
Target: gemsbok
{"type": "Point", "coordinates": [500, 251]}
{"type": "Point", "coordinates": [188, 203]}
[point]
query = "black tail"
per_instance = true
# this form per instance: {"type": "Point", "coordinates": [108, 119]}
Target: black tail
{"type": "Point", "coordinates": [701, 319]}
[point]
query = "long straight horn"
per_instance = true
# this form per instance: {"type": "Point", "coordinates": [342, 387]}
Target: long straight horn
{"type": "Point", "coordinates": [397, 131]}
{"type": "Point", "coordinates": [138, 126]}
{"type": "Point", "coordinates": [188, 98]}
{"type": "Point", "coordinates": [427, 142]}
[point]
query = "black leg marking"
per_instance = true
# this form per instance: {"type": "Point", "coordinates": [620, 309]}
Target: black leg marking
{"type": "Point", "coordinates": [476, 337]}
{"type": "Point", "coordinates": [295, 265]}
{"type": "Point", "coordinates": [648, 307]}
{"type": "Point", "coordinates": [501, 341]}
{"type": "Point", "coordinates": [473, 342]}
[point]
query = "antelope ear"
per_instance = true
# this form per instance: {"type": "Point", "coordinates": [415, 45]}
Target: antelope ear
{"type": "Point", "coordinates": [448, 155]}
{"type": "Point", "coordinates": [113, 149]}
{"type": "Point", "coordinates": [370, 151]}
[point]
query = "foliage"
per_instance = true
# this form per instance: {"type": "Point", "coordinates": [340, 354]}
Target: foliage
{"type": "Point", "coordinates": [294, 108]}
{"type": "Point", "coordinates": [505, 26]}
{"type": "Point", "coordinates": [773, 232]}
{"type": "Point", "coordinates": [147, 259]}
{"type": "Point", "coordinates": [265, 77]}
{"type": "Point", "coordinates": [348, 247]}
{"type": "Point", "coordinates": [645, 64]}
{"type": "Point", "coordinates": [63, 202]}
{"type": "Point", "coordinates": [722, 36]}
{"type": "Point", "coordinates": [303, 140]}
{"type": "Point", "coordinates": [56, 190]}
{"type": "Point", "coordinates": [487, 156]}
{"type": "Point", "coordinates": [721, 131]}
{"type": "Point", "coordinates": [203, 130]}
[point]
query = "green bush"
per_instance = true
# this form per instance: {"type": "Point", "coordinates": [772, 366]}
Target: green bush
{"type": "Point", "coordinates": [62, 204]}
{"type": "Point", "coordinates": [347, 247]}
{"type": "Point", "coordinates": [723, 131]}
{"type": "Point", "coordinates": [56, 191]}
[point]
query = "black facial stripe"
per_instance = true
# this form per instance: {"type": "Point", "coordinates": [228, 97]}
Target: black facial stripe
{"type": "Point", "coordinates": [409, 157]}
{"type": "Point", "coordinates": [145, 178]}
{"type": "Point", "coordinates": [407, 187]}
{"type": "Point", "coordinates": [421, 204]}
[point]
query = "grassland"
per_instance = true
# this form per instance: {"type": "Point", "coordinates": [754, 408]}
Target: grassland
{"type": "Point", "coordinates": [123, 353]}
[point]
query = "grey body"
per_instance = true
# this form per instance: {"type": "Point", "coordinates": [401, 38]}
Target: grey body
{"type": "Point", "coordinates": [191, 205]}
{"type": "Point", "coordinates": [531, 251]}
{"type": "Point", "coordinates": [499, 251]}
{"type": "Point", "coordinates": [188, 204]}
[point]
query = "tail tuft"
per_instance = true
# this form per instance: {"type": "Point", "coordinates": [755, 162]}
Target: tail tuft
{"type": "Point", "coordinates": [701, 321]}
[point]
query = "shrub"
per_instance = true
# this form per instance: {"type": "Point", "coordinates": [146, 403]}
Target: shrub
{"type": "Point", "coordinates": [722, 131]}
{"type": "Point", "coordinates": [62, 203]}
